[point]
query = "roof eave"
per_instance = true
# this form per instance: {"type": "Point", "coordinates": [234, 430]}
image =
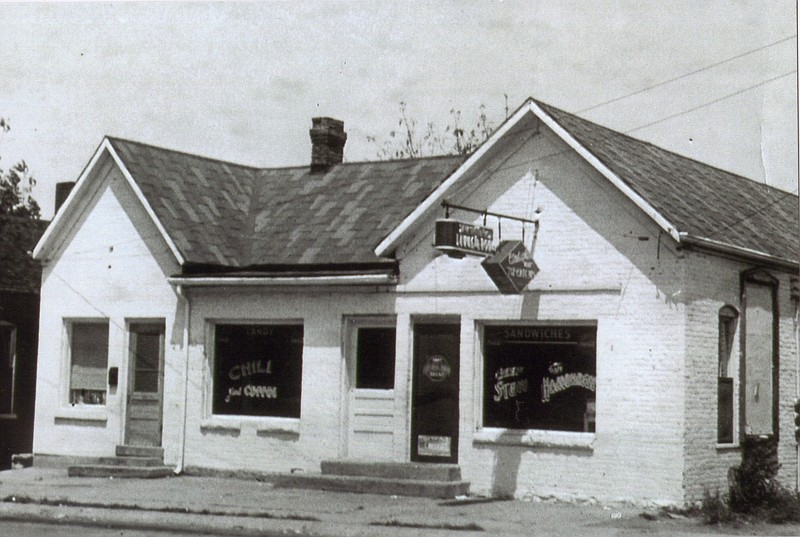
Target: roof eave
{"type": "Point", "coordinates": [745, 254]}
{"type": "Point", "coordinates": [284, 281]}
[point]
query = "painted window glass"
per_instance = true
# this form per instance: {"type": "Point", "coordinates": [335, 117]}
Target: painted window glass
{"type": "Point", "coordinates": [727, 328]}
{"type": "Point", "coordinates": [8, 357]}
{"type": "Point", "coordinates": [540, 377]}
{"type": "Point", "coordinates": [88, 362]}
{"type": "Point", "coordinates": [759, 353]}
{"type": "Point", "coordinates": [258, 370]}
{"type": "Point", "coordinates": [375, 358]}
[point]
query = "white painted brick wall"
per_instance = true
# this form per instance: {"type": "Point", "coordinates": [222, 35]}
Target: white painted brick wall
{"type": "Point", "coordinates": [105, 270]}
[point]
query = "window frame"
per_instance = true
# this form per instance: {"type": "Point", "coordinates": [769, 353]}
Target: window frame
{"type": "Point", "coordinates": [69, 324]}
{"type": "Point", "coordinates": [11, 414]}
{"type": "Point", "coordinates": [353, 326]}
{"type": "Point", "coordinates": [727, 316]}
{"type": "Point", "coordinates": [533, 436]}
{"type": "Point", "coordinates": [213, 420]}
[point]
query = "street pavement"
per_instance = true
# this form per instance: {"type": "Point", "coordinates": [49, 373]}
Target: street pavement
{"type": "Point", "coordinates": [229, 506]}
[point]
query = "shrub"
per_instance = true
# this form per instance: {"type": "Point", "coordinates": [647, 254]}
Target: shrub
{"type": "Point", "coordinates": [714, 508]}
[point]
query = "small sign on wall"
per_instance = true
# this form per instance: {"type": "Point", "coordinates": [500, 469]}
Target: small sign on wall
{"type": "Point", "coordinates": [433, 446]}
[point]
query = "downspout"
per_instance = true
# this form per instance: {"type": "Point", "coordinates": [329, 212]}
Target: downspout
{"type": "Point", "coordinates": [186, 321]}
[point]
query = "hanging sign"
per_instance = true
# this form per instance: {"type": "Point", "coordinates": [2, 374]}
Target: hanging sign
{"type": "Point", "coordinates": [458, 238]}
{"type": "Point", "coordinates": [511, 267]}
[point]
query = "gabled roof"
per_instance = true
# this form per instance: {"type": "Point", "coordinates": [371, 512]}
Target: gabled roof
{"type": "Point", "coordinates": [223, 217]}
{"type": "Point", "coordinates": [701, 201]}
{"type": "Point", "coordinates": [693, 202]}
{"type": "Point", "coordinates": [19, 272]}
{"type": "Point", "coordinates": [220, 214]}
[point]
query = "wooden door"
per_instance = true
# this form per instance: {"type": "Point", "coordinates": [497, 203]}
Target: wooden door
{"type": "Point", "coordinates": [434, 398]}
{"type": "Point", "coordinates": [145, 384]}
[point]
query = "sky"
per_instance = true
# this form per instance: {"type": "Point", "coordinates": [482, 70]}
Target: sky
{"type": "Point", "coordinates": [714, 80]}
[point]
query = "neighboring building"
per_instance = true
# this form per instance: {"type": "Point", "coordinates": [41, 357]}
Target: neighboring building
{"type": "Point", "coordinates": [20, 279]}
{"type": "Point", "coordinates": [270, 319]}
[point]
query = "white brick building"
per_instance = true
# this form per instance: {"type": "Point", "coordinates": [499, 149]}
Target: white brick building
{"type": "Point", "coordinates": [268, 320]}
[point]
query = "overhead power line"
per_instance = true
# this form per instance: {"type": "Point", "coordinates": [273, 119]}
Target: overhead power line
{"type": "Point", "coordinates": [685, 75]}
{"type": "Point", "coordinates": [709, 103]}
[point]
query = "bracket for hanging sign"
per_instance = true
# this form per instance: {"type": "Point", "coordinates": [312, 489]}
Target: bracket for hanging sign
{"type": "Point", "coordinates": [450, 206]}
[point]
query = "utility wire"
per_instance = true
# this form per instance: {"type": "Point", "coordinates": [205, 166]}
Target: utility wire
{"type": "Point", "coordinates": [709, 103]}
{"type": "Point", "coordinates": [685, 75]}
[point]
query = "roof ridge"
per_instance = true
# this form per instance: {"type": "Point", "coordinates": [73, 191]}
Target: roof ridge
{"type": "Point", "coordinates": [659, 148]}
{"type": "Point", "coordinates": [180, 152]}
{"type": "Point", "coordinates": [277, 168]}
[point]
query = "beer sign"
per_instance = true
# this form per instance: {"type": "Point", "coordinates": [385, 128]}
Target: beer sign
{"type": "Point", "coordinates": [459, 238]}
{"type": "Point", "coordinates": [511, 267]}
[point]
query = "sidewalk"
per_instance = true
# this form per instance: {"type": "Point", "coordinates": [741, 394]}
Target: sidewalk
{"type": "Point", "coordinates": [250, 507]}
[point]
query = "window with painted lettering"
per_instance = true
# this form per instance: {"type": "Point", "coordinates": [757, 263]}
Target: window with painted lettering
{"type": "Point", "coordinates": [8, 362]}
{"type": "Point", "coordinates": [540, 377]}
{"type": "Point", "coordinates": [88, 348]}
{"type": "Point", "coordinates": [258, 369]}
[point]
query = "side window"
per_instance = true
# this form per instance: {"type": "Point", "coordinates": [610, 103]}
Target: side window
{"type": "Point", "coordinates": [88, 362]}
{"type": "Point", "coordinates": [725, 401]}
{"type": "Point", "coordinates": [375, 358]}
{"type": "Point", "coordinates": [540, 377]}
{"type": "Point", "coordinates": [8, 362]}
{"type": "Point", "coordinates": [258, 370]}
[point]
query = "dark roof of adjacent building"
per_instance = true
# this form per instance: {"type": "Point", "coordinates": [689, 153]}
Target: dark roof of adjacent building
{"type": "Point", "coordinates": [19, 272]}
{"type": "Point", "coordinates": [698, 199]}
{"type": "Point", "coordinates": [225, 216]}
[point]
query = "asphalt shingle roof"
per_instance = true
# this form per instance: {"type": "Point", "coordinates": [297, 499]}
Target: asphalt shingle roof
{"type": "Point", "coordinates": [19, 272]}
{"type": "Point", "coordinates": [229, 215]}
{"type": "Point", "coordinates": [232, 216]}
{"type": "Point", "coordinates": [696, 198]}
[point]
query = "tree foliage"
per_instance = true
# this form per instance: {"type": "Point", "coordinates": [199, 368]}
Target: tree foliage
{"type": "Point", "coordinates": [410, 140]}
{"type": "Point", "coordinates": [16, 185]}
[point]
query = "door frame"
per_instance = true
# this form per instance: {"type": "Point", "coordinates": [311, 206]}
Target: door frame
{"type": "Point", "coordinates": [422, 320]}
{"type": "Point", "coordinates": [130, 324]}
{"type": "Point", "coordinates": [352, 324]}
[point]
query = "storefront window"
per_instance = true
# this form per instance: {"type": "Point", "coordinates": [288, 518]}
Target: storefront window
{"type": "Point", "coordinates": [8, 352]}
{"type": "Point", "coordinates": [540, 377]}
{"type": "Point", "coordinates": [88, 362]}
{"type": "Point", "coordinates": [258, 370]}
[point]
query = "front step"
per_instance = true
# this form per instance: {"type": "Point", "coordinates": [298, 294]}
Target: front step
{"type": "Point", "coordinates": [393, 470]}
{"type": "Point", "coordinates": [131, 461]}
{"type": "Point", "coordinates": [113, 470]}
{"type": "Point", "coordinates": [390, 478]}
{"type": "Point", "coordinates": [374, 485]}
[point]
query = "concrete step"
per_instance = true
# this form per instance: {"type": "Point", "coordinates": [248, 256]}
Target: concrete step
{"type": "Point", "coordinates": [392, 470]}
{"type": "Point", "coordinates": [140, 451]}
{"type": "Point", "coordinates": [113, 470]}
{"type": "Point", "coordinates": [374, 485]}
{"type": "Point", "coordinates": [131, 461]}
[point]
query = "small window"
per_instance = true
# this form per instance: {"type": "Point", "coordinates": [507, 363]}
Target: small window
{"type": "Point", "coordinates": [540, 377]}
{"type": "Point", "coordinates": [88, 362]}
{"type": "Point", "coordinates": [258, 370]}
{"type": "Point", "coordinates": [727, 328]}
{"type": "Point", "coordinates": [375, 358]}
{"type": "Point", "coordinates": [8, 362]}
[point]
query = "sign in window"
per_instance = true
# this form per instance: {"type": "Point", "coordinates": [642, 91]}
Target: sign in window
{"type": "Point", "coordinates": [540, 377]}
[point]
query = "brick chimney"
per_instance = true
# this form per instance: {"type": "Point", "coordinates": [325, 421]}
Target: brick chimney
{"type": "Point", "coordinates": [327, 143]}
{"type": "Point", "coordinates": [62, 191]}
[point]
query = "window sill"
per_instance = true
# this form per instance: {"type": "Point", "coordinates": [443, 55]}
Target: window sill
{"type": "Point", "coordinates": [535, 438]}
{"type": "Point", "coordinates": [82, 413]}
{"type": "Point", "coordinates": [8, 416]}
{"type": "Point", "coordinates": [261, 425]}
{"type": "Point", "coordinates": [728, 447]}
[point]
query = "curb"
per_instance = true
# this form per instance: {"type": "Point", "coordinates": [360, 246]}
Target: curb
{"type": "Point", "coordinates": [144, 520]}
